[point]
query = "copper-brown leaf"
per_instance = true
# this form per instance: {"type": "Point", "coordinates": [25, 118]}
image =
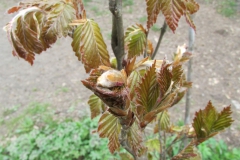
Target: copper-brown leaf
{"type": "Point", "coordinates": [174, 9]}
{"type": "Point", "coordinates": [109, 127]}
{"type": "Point", "coordinates": [25, 37]}
{"type": "Point", "coordinates": [153, 9]}
{"type": "Point", "coordinates": [147, 90]}
{"type": "Point", "coordinates": [164, 79]}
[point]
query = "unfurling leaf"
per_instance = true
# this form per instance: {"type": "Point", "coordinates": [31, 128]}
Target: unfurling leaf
{"type": "Point", "coordinates": [209, 122]}
{"type": "Point", "coordinates": [96, 106]}
{"type": "Point", "coordinates": [58, 19]}
{"type": "Point", "coordinates": [109, 127]}
{"type": "Point", "coordinates": [135, 39]}
{"type": "Point", "coordinates": [172, 10]}
{"type": "Point", "coordinates": [25, 38]}
{"type": "Point", "coordinates": [89, 46]}
{"type": "Point", "coordinates": [37, 26]}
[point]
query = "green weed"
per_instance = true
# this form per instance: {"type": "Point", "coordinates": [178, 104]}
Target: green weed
{"type": "Point", "coordinates": [35, 114]}
{"type": "Point", "coordinates": [67, 140]}
{"type": "Point", "coordinates": [10, 110]}
{"type": "Point", "coordinates": [128, 3]}
{"type": "Point", "coordinates": [228, 8]}
{"type": "Point", "coordinates": [143, 19]}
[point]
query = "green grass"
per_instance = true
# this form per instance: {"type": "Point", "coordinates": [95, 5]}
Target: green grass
{"type": "Point", "coordinates": [97, 11]}
{"type": "Point", "coordinates": [62, 90]}
{"type": "Point", "coordinates": [10, 110]}
{"type": "Point", "coordinates": [128, 3]}
{"type": "Point", "coordinates": [156, 28]}
{"type": "Point", "coordinates": [34, 114]}
{"type": "Point", "coordinates": [228, 8]}
{"type": "Point", "coordinates": [143, 19]}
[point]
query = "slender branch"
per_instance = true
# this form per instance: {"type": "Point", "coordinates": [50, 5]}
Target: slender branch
{"type": "Point", "coordinates": [115, 6]}
{"type": "Point", "coordinates": [189, 78]}
{"type": "Point", "coordinates": [163, 30]}
{"type": "Point", "coordinates": [189, 75]}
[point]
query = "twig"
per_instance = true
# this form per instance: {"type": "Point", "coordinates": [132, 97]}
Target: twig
{"type": "Point", "coordinates": [117, 42]}
{"type": "Point", "coordinates": [189, 76]}
{"type": "Point", "coordinates": [163, 30]}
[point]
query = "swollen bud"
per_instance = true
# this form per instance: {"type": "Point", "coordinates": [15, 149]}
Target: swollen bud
{"type": "Point", "coordinates": [111, 78]}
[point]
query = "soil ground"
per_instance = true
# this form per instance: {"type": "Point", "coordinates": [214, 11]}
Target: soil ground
{"type": "Point", "coordinates": [55, 76]}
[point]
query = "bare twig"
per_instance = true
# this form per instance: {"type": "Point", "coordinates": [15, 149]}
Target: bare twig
{"type": "Point", "coordinates": [163, 30]}
{"type": "Point", "coordinates": [117, 42]}
{"type": "Point", "coordinates": [189, 78]}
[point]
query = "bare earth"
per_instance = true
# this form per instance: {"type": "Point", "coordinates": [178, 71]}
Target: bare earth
{"type": "Point", "coordinates": [55, 76]}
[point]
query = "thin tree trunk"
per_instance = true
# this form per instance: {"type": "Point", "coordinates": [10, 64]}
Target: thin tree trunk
{"type": "Point", "coordinates": [117, 42]}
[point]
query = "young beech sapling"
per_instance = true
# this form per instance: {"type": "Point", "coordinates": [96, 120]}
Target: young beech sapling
{"type": "Point", "coordinates": [132, 94]}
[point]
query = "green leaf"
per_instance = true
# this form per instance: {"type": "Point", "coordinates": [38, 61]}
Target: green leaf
{"type": "Point", "coordinates": [89, 46]}
{"type": "Point", "coordinates": [96, 105]}
{"type": "Point", "coordinates": [109, 126]}
{"type": "Point", "coordinates": [135, 39]}
{"type": "Point", "coordinates": [147, 91]}
{"type": "Point", "coordinates": [153, 145]}
{"type": "Point", "coordinates": [209, 122]}
{"type": "Point", "coordinates": [125, 156]}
